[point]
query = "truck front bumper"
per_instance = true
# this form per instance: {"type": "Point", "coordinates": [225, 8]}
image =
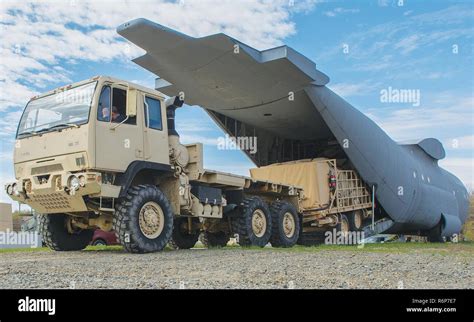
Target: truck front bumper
{"type": "Point", "coordinates": [56, 193]}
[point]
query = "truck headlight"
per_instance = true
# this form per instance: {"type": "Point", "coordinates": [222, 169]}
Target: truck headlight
{"type": "Point", "coordinates": [15, 189]}
{"type": "Point", "coordinates": [73, 183]}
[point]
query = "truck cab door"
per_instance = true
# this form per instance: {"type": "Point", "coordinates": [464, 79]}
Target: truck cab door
{"type": "Point", "coordinates": [119, 140]}
{"type": "Point", "coordinates": [155, 130]}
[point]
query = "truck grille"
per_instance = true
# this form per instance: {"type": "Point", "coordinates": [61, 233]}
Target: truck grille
{"type": "Point", "coordinates": [52, 201]}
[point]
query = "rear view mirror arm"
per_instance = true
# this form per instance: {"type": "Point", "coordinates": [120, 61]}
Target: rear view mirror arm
{"type": "Point", "coordinates": [117, 125]}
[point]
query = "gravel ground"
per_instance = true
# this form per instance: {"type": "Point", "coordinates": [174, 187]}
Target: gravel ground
{"type": "Point", "coordinates": [238, 268]}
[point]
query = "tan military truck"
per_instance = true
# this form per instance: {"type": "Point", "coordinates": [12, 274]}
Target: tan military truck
{"type": "Point", "coordinates": [104, 153]}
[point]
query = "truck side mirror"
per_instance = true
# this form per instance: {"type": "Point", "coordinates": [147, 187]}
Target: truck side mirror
{"type": "Point", "coordinates": [132, 95]}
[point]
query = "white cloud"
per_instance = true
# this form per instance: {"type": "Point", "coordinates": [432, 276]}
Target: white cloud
{"type": "Point", "coordinates": [305, 6]}
{"type": "Point", "coordinates": [368, 46]}
{"type": "Point", "coordinates": [38, 36]}
{"type": "Point", "coordinates": [194, 126]}
{"type": "Point", "coordinates": [463, 168]}
{"type": "Point", "coordinates": [203, 131]}
{"type": "Point", "coordinates": [192, 138]}
{"type": "Point", "coordinates": [448, 16]}
{"type": "Point", "coordinates": [434, 75]}
{"type": "Point", "coordinates": [13, 93]}
{"type": "Point", "coordinates": [408, 44]}
{"type": "Point", "coordinates": [460, 143]}
{"type": "Point", "coordinates": [354, 89]}
{"type": "Point", "coordinates": [148, 82]}
{"type": "Point", "coordinates": [8, 125]}
{"type": "Point", "coordinates": [451, 112]}
{"type": "Point", "coordinates": [339, 11]}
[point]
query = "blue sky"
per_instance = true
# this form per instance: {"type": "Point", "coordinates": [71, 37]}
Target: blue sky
{"type": "Point", "coordinates": [363, 46]}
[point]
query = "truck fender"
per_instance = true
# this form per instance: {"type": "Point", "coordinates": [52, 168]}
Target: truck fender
{"type": "Point", "coordinates": [125, 179]}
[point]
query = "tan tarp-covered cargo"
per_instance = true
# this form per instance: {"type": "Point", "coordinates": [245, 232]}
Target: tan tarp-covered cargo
{"type": "Point", "coordinates": [311, 175]}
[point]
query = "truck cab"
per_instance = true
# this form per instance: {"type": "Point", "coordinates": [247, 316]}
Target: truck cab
{"type": "Point", "coordinates": [75, 139]}
{"type": "Point", "coordinates": [74, 142]}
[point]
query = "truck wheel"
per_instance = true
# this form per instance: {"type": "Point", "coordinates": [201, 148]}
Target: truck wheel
{"type": "Point", "coordinates": [55, 234]}
{"type": "Point", "coordinates": [181, 238]}
{"type": "Point", "coordinates": [355, 220]}
{"type": "Point", "coordinates": [343, 225]}
{"type": "Point", "coordinates": [254, 227]}
{"type": "Point", "coordinates": [218, 239]}
{"type": "Point", "coordinates": [143, 220]}
{"type": "Point", "coordinates": [285, 224]}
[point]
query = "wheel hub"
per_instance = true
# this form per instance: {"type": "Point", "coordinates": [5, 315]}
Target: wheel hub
{"type": "Point", "coordinates": [358, 220]}
{"type": "Point", "coordinates": [259, 223]}
{"type": "Point", "coordinates": [151, 220]}
{"type": "Point", "coordinates": [289, 225]}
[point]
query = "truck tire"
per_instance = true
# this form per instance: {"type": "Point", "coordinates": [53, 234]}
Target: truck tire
{"type": "Point", "coordinates": [254, 226]}
{"type": "Point", "coordinates": [56, 236]}
{"type": "Point", "coordinates": [217, 239]}
{"type": "Point", "coordinates": [143, 220]}
{"type": "Point", "coordinates": [285, 224]}
{"type": "Point", "coordinates": [343, 225]}
{"type": "Point", "coordinates": [355, 219]}
{"type": "Point", "coordinates": [181, 238]}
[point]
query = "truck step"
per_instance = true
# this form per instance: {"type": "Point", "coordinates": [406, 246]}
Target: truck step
{"type": "Point", "coordinates": [107, 209]}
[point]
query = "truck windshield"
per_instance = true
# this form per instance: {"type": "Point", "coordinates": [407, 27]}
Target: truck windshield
{"type": "Point", "coordinates": [67, 108]}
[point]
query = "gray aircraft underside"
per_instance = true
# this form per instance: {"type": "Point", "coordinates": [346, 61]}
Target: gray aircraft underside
{"type": "Point", "coordinates": [280, 97]}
